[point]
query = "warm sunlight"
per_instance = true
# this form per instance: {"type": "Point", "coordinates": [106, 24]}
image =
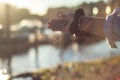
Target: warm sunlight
{"type": "Point", "coordinates": [3, 76]}
{"type": "Point", "coordinates": [40, 7]}
{"type": "Point", "coordinates": [1, 27]}
{"type": "Point", "coordinates": [108, 10]}
{"type": "Point", "coordinates": [59, 40]}
{"type": "Point", "coordinates": [95, 10]}
{"type": "Point", "coordinates": [13, 2]}
{"type": "Point", "coordinates": [34, 9]}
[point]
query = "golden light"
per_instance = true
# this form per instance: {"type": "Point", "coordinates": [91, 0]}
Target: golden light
{"type": "Point", "coordinates": [24, 23]}
{"type": "Point", "coordinates": [38, 10]}
{"type": "Point", "coordinates": [95, 10]}
{"type": "Point", "coordinates": [108, 10]}
{"type": "Point", "coordinates": [27, 23]}
{"type": "Point", "coordinates": [13, 28]}
{"type": "Point", "coordinates": [58, 32]}
{"type": "Point", "coordinates": [70, 65]}
{"type": "Point", "coordinates": [75, 47]}
{"type": "Point", "coordinates": [1, 27]}
{"type": "Point", "coordinates": [40, 37]}
{"type": "Point", "coordinates": [3, 76]}
{"type": "Point", "coordinates": [13, 2]}
{"type": "Point", "coordinates": [22, 4]}
{"type": "Point", "coordinates": [31, 38]}
{"type": "Point", "coordinates": [38, 23]}
{"type": "Point", "coordinates": [4, 70]}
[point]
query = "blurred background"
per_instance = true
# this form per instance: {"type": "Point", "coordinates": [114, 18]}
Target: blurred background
{"type": "Point", "coordinates": [25, 40]}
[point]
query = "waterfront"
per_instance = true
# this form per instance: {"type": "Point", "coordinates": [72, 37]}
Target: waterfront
{"type": "Point", "coordinates": [48, 56]}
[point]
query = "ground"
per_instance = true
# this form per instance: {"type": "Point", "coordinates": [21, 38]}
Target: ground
{"type": "Point", "coordinates": [108, 69]}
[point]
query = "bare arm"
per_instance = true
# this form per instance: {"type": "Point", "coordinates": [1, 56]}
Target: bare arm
{"type": "Point", "coordinates": [93, 25]}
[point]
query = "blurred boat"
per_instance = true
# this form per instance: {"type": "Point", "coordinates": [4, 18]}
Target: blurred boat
{"type": "Point", "coordinates": [21, 40]}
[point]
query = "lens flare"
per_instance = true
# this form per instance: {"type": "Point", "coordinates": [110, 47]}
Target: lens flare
{"type": "Point", "coordinates": [108, 10]}
{"type": "Point", "coordinates": [95, 10]}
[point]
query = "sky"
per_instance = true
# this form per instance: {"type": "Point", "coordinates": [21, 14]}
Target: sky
{"type": "Point", "coordinates": [41, 6]}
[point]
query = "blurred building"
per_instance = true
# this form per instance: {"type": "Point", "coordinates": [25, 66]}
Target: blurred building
{"type": "Point", "coordinates": [94, 9]}
{"type": "Point", "coordinates": [114, 3]}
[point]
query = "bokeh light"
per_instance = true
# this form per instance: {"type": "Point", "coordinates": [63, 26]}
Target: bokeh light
{"type": "Point", "coordinates": [108, 10]}
{"type": "Point", "coordinates": [95, 11]}
{"type": "Point", "coordinates": [1, 27]}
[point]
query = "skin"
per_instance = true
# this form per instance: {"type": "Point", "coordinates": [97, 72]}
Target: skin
{"type": "Point", "coordinates": [92, 25]}
{"type": "Point", "coordinates": [91, 35]}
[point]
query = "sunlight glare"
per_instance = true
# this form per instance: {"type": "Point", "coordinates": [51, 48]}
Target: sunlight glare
{"type": "Point", "coordinates": [1, 27]}
{"type": "Point", "coordinates": [13, 28]}
{"type": "Point", "coordinates": [108, 10]}
{"type": "Point", "coordinates": [95, 10]}
{"type": "Point", "coordinates": [75, 47]}
{"type": "Point", "coordinates": [40, 10]}
{"type": "Point", "coordinates": [58, 32]}
{"type": "Point", "coordinates": [38, 23]}
{"type": "Point", "coordinates": [31, 38]}
{"type": "Point", "coordinates": [3, 76]}
{"type": "Point", "coordinates": [13, 2]}
{"type": "Point", "coordinates": [27, 23]}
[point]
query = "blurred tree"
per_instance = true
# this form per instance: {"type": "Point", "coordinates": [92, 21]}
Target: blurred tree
{"type": "Point", "coordinates": [16, 15]}
{"type": "Point", "coordinates": [88, 8]}
{"type": "Point", "coordinates": [114, 3]}
{"type": "Point", "coordinates": [2, 14]}
{"type": "Point", "coordinates": [53, 12]}
{"type": "Point", "coordinates": [101, 6]}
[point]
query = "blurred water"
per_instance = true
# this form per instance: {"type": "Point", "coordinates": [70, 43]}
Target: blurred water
{"type": "Point", "coordinates": [49, 56]}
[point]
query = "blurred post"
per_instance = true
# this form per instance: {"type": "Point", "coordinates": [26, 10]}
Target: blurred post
{"type": "Point", "coordinates": [36, 47]}
{"type": "Point", "coordinates": [8, 34]}
{"type": "Point", "coordinates": [7, 7]}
